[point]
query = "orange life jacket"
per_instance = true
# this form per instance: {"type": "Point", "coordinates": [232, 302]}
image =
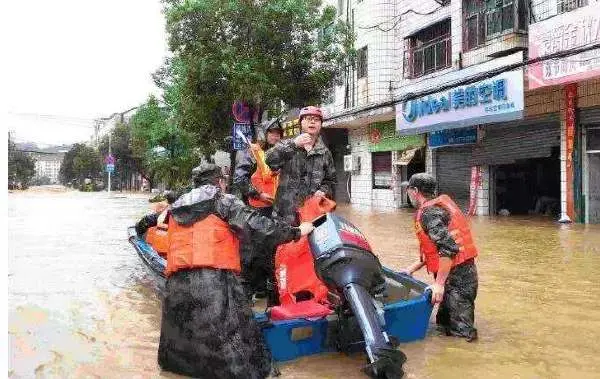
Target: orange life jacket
{"type": "Point", "coordinates": [459, 230]}
{"type": "Point", "coordinates": [205, 243]}
{"type": "Point", "coordinates": [159, 240]}
{"type": "Point", "coordinates": [263, 179]}
{"type": "Point", "coordinates": [294, 263]}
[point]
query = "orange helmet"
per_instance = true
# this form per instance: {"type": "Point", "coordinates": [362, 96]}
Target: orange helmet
{"type": "Point", "coordinates": [311, 111]}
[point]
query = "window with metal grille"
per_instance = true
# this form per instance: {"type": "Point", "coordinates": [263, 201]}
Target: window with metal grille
{"type": "Point", "coordinates": [569, 5]}
{"type": "Point", "coordinates": [487, 19]}
{"type": "Point", "coordinates": [382, 170]}
{"type": "Point", "coordinates": [544, 9]}
{"type": "Point", "coordinates": [593, 139]}
{"type": "Point", "coordinates": [428, 50]}
{"type": "Point", "coordinates": [362, 63]}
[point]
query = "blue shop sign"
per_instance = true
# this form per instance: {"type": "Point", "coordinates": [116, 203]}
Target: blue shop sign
{"type": "Point", "coordinates": [450, 137]}
{"type": "Point", "coordinates": [493, 100]}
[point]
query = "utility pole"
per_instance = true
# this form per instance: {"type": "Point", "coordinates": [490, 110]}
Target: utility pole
{"type": "Point", "coordinates": [109, 154]}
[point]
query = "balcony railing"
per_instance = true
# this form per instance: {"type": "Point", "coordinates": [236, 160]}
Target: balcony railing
{"type": "Point", "coordinates": [433, 56]}
{"type": "Point", "coordinates": [486, 21]}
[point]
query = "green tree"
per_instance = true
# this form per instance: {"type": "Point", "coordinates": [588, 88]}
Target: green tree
{"type": "Point", "coordinates": [126, 163]}
{"type": "Point", "coordinates": [264, 52]}
{"type": "Point", "coordinates": [79, 163]}
{"type": "Point", "coordinates": [165, 149]}
{"type": "Point", "coordinates": [21, 167]}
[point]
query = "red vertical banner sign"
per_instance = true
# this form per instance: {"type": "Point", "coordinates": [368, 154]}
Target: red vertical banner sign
{"type": "Point", "coordinates": [475, 184]}
{"type": "Point", "coordinates": [571, 104]}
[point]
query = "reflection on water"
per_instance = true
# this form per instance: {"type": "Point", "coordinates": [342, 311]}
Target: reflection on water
{"type": "Point", "coordinates": [81, 304]}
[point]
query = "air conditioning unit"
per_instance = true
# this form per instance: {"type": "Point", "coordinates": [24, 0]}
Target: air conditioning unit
{"type": "Point", "coordinates": [351, 163]}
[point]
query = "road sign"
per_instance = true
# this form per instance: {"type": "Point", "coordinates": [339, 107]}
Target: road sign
{"type": "Point", "coordinates": [110, 159]}
{"type": "Point", "coordinates": [241, 128]}
{"type": "Point", "coordinates": [110, 167]}
{"type": "Point", "coordinates": [241, 111]}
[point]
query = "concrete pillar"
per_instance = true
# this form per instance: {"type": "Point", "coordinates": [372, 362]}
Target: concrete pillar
{"type": "Point", "coordinates": [564, 217]}
{"type": "Point", "coordinates": [483, 193]}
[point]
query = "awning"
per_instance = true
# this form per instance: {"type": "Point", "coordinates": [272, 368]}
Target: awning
{"type": "Point", "coordinates": [404, 158]}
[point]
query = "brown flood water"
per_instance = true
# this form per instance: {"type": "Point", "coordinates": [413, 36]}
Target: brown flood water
{"type": "Point", "coordinates": [80, 304]}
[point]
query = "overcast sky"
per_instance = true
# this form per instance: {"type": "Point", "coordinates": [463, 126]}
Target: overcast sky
{"type": "Point", "coordinates": [70, 61]}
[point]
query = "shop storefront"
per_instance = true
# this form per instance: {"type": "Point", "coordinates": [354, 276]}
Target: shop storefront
{"type": "Point", "coordinates": [452, 120]}
{"type": "Point", "coordinates": [393, 160]}
{"type": "Point", "coordinates": [452, 161]}
{"type": "Point", "coordinates": [590, 125]}
{"type": "Point", "coordinates": [523, 162]}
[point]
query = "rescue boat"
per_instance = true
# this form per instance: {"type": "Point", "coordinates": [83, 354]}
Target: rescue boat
{"type": "Point", "coordinates": [354, 303]}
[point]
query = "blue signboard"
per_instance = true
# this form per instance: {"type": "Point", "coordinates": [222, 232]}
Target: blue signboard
{"type": "Point", "coordinates": [491, 100]}
{"type": "Point", "coordinates": [238, 142]}
{"type": "Point", "coordinates": [110, 167]}
{"type": "Point", "coordinates": [450, 137]}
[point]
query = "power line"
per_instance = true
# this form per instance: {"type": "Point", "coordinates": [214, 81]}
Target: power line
{"type": "Point", "coordinates": [51, 116]}
{"type": "Point", "coordinates": [398, 18]}
{"type": "Point", "coordinates": [471, 79]}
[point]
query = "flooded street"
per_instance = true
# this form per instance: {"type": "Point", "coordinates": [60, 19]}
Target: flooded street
{"type": "Point", "coordinates": [80, 303]}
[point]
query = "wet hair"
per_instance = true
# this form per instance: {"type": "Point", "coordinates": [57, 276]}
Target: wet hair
{"type": "Point", "coordinates": [424, 183]}
{"type": "Point", "coordinates": [206, 173]}
{"type": "Point", "coordinates": [170, 196]}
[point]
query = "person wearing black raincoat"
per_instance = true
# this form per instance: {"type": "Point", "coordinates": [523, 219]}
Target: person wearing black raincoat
{"type": "Point", "coordinates": [257, 262]}
{"type": "Point", "coordinates": [207, 327]}
{"type": "Point", "coordinates": [155, 218]}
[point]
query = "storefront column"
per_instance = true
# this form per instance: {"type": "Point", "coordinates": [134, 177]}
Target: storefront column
{"type": "Point", "coordinates": [567, 137]}
{"type": "Point", "coordinates": [563, 171]}
{"type": "Point", "coordinates": [430, 161]}
{"type": "Point", "coordinates": [483, 193]}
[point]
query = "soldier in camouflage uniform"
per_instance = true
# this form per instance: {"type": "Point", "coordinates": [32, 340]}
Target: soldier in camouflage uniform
{"type": "Point", "coordinates": [306, 167]}
{"type": "Point", "coordinates": [448, 251]}
{"type": "Point", "coordinates": [257, 258]}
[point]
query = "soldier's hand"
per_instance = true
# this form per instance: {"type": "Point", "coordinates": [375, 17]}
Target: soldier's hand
{"type": "Point", "coordinates": [437, 293]}
{"type": "Point", "coordinates": [305, 228]}
{"type": "Point", "coordinates": [266, 197]}
{"type": "Point", "coordinates": [320, 194]}
{"type": "Point", "coordinates": [302, 139]}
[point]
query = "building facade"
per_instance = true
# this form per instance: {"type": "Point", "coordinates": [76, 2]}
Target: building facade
{"type": "Point", "coordinates": [501, 136]}
{"type": "Point", "coordinates": [47, 165]}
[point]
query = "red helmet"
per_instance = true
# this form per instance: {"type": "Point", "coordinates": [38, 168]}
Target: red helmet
{"type": "Point", "coordinates": [311, 111]}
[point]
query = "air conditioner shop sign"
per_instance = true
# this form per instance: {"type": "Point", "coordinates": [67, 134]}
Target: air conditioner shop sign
{"type": "Point", "coordinates": [497, 99]}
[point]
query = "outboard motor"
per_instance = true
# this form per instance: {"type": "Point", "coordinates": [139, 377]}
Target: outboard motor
{"type": "Point", "coordinates": [345, 263]}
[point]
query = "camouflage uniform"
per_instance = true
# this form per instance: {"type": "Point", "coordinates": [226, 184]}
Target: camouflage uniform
{"type": "Point", "coordinates": [207, 328]}
{"type": "Point", "coordinates": [257, 258]}
{"type": "Point", "coordinates": [302, 174]}
{"type": "Point", "coordinates": [456, 313]}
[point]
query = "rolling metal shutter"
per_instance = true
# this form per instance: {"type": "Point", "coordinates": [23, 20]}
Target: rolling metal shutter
{"type": "Point", "coordinates": [453, 172]}
{"type": "Point", "coordinates": [589, 116]}
{"type": "Point", "coordinates": [522, 139]}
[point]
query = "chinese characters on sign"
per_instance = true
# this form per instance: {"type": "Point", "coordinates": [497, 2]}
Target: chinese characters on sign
{"type": "Point", "coordinates": [460, 98]}
{"type": "Point", "coordinates": [238, 142]}
{"type": "Point", "coordinates": [452, 137]}
{"type": "Point", "coordinates": [564, 32]}
{"type": "Point", "coordinates": [493, 100]}
{"type": "Point", "coordinates": [291, 128]}
{"type": "Point", "coordinates": [571, 97]}
{"type": "Point", "coordinates": [474, 188]}
{"type": "Point", "coordinates": [383, 137]}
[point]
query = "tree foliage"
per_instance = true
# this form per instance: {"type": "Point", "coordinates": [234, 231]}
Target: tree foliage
{"type": "Point", "coordinates": [126, 162]}
{"type": "Point", "coordinates": [165, 149]}
{"type": "Point", "coordinates": [79, 163]}
{"type": "Point", "coordinates": [21, 167]}
{"type": "Point", "coordinates": [265, 52]}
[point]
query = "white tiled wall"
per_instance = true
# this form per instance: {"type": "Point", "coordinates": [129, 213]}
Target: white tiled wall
{"type": "Point", "coordinates": [383, 53]}
{"type": "Point", "coordinates": [362, 192]}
